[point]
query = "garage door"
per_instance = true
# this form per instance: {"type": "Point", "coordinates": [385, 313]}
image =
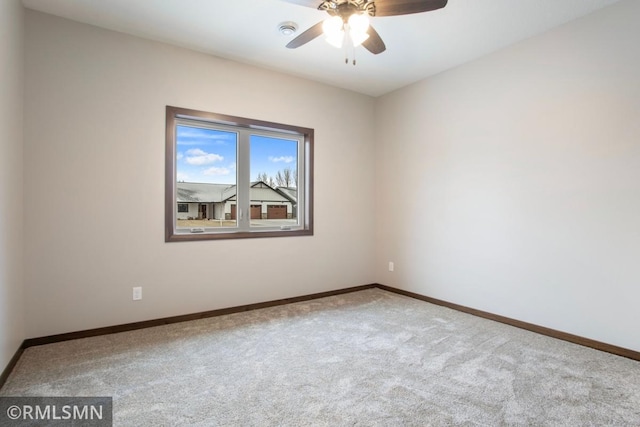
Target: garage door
{"type": "Point", "coordinates": [256, 212]}
{"type": "Point", "coordinates": [277, 211]}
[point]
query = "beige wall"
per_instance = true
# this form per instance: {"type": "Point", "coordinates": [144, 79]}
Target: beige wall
{"type": "Point", "coordinates": [94, 182]}
{"type": "Point", "coordinates": [521, 177]}
{"type": "Point", "coordinates": [11, 138]}
{"type": "Point", "coordinates": [509, 184]}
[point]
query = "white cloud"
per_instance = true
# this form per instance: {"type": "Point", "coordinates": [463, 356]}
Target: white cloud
{"type": "Point", "coordinates": [182, 177]}
{"type": "Point", "coordinates": [198, 137]}
{"type": "Point", "coordinates": [216, 171]}
{"type": "Point", "coordinates": [285, 159]}
{"type": "Point", "coordinates": [196, 152]}
{"type": "Point", "coordinates": [198, 157]}
{"type": "Point", "coordinates": [179, 156]}
{"type": "Point", "coordinates": [179, 142]}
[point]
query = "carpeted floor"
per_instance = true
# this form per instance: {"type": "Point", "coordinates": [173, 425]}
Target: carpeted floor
{"type": "Point", "coordinates": [369, 358]}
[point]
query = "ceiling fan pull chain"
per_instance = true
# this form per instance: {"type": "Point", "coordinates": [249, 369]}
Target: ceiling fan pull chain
{"type": "Point", "coordinates": [345, 46]}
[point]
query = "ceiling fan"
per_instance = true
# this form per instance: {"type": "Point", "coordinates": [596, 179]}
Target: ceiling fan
{"type": "Point", "coordinates": [349, 21]}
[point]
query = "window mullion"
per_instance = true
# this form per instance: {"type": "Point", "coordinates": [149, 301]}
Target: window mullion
{"type": "Point", "coordinates": [244, 181]}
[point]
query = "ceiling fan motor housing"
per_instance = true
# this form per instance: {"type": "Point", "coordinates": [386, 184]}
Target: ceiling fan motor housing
{"type": "Point", "coordinates": [346, 8]}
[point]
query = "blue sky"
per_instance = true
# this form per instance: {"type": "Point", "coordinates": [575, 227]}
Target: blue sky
{"type": "Point", "coordinates": [207, 155]}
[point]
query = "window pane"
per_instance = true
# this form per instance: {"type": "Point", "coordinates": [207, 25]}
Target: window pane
{"type": "Point", "coordinates": [205, 178]}
{"type": "Point", "coordinates": [274, 181]}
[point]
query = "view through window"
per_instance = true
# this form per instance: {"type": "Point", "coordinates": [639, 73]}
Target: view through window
{"type": "Point", "coordinates": [230, 177]}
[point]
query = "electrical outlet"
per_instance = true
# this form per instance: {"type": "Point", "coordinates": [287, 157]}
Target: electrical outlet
{"type": "Point", "coordinates": [137, 293]}
{"type": "Point", "coordinates": [391, 266]}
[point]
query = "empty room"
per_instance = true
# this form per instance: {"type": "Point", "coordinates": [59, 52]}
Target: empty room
{"type": "Point", "coordinates": [308, 212]}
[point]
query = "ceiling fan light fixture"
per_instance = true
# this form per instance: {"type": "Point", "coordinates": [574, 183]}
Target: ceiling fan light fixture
{"type": "Point", "coordinates": [358, 38]}
{"type": "Point", "coordinates": [332, 26]}
{"type": "Point", "coordinates": [336, 39]}
{"type": "Point", "coordinates": [359, 23]}
{"type": "Point", "coordinates": [333, 29]}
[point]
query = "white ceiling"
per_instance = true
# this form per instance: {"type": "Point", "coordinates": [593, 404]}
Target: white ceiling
{"type": "Point", "coordinates": [418, 45]}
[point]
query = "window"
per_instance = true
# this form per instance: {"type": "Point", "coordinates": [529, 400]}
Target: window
{"type": "Point", "coordinates": [231, 177]}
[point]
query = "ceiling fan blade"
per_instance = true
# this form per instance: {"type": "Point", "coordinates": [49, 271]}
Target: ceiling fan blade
{"type": "Point", "coordinates": [406, 7]}
{"type": "Point", "coordinates": [374, 43]}
{"type": "Point", "coordinates": [306, 37]}
{"type": "Point", "coordinates": [309, 3]}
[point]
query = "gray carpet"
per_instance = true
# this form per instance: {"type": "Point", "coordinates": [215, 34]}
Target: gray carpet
{"type": "Point", "coordinates": [369, 358]}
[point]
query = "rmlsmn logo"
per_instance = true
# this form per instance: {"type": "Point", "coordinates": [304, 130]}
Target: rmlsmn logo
{"type": "Point", "coordinates": [56, 411]}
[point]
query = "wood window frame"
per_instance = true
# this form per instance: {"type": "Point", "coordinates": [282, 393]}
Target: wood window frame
{"type": "Point", "coordinates": [173, 114]}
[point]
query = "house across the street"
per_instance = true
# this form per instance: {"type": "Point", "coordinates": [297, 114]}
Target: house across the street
{"type": "Point", "coordinates": [218, 201]}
